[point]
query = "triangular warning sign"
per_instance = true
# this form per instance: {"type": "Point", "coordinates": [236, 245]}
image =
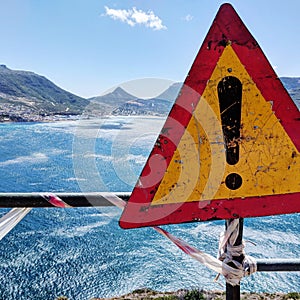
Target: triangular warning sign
{"type": "Point", "coordinates": [230, 145]}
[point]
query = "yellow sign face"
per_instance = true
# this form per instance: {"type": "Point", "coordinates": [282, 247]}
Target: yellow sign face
{"type": "Point", "coordinates": [230, 145]}
{"type": "Point", "coordinates": [258, 160]}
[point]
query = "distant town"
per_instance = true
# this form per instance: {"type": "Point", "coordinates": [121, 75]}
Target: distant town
{"type": "Point", "coordinates": [29, 97]}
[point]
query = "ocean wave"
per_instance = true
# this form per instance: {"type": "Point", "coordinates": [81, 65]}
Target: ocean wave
{"type": "Point", "coordinates": [78, 231]}
{"type": "Point", "coordinates": [34, 158]}
{"type": "Point", "coordinates": [82, 252]}
{"type": "Point", "coordinates": [75, 179]}
{"type": "Point", "coordinates": [274, 236]}
{"type": "Point", "coordinates": [115, 213]}
{"type": "Point", "coordinates": [137, 159]}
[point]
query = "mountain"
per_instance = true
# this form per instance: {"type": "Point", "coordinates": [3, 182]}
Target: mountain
{"type": "Point", "coordinates": [120, 102]}
{"type": "Point", "coordinates": [171, 92]}
{"type": "Point", "coordinates": [106, 104]}
{"type": "Point", "coordinates": [153, 107]}
{"type": "Point", "coordinates": [292, 84]}
{"type": "Point", "coordinates": [24, 94]}
{"type": "Point", "coordinates": [295, 95]}
{"type": "Point", "coordinates": [117, 96]}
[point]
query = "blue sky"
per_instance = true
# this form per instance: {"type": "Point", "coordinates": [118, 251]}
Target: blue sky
{"type": "Point", "coordinates": [87, 47]}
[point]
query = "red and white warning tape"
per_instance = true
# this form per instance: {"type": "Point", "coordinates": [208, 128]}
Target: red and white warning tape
{"type": "Point", "coordinates": [220, 265]}
{"type": "Point", "coordinates": [11, 219]}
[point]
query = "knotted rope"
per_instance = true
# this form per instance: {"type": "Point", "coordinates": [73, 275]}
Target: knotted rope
{"type": "Point", "coordinates": [232, 269]}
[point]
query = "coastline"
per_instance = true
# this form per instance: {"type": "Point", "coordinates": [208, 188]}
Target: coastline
{"type": "Point", "coordinates": [58, 118]}
{"type": "Point", "coordinates": [37, 118]}
{"type": "Point", "coordinates": [148, 294]}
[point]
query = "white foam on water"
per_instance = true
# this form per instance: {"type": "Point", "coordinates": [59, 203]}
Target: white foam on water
{"type": "Point", "coordinates": [34, 158]}
{"type": "Point", "coordinates": [78, 231]}
{"type": "Point", "coordinates": [75, 179]}
{"type": "Point", "coordinates": [138, 159]}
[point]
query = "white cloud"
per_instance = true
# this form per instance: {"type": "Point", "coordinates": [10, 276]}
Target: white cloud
{"type": "Point", "coordinates": [135, 16]}
{"type": "Point", "coordinates": [188, 18]}
{"type": "Point", "coordinates": [117, 14]}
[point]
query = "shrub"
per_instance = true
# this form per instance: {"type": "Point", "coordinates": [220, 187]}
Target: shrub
{"type": "Point", "coordinates": [193, 295]}
{"type": "Point", "coordinates": [168, 297]}
{"type": "Point", "coordinates": [292, 295]}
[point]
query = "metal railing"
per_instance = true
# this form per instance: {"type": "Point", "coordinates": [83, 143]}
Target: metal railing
{"type": "Point", "coordinates": [97, 199]}
{"type": "Point", "coordinates": [73, 199]}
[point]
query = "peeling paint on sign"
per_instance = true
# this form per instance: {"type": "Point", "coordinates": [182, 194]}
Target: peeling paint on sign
{"type": "Point", "coordinates": [230, 146]}
{"type": "Point", "coordinates": [253, 160]}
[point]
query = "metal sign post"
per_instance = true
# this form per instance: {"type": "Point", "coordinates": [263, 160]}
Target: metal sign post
{"type": "Point", "coordinates": [233, 292]}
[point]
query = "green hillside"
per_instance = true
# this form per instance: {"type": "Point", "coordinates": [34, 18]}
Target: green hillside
{"type": "Point", "coordinates": [26, 96]}
{"type": "Point", "coordinates": [27, 92]}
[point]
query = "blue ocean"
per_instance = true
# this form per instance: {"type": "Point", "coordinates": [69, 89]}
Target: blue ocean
{"type": "Point", "coordinates": [81, 252]}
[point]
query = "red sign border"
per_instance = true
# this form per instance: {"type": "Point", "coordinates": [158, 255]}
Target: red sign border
{"type": "Point", "coordinates": [227, 28]}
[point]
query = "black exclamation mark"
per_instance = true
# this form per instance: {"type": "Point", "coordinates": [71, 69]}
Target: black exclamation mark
{"type": "Point", "coordinates": [230, 98]}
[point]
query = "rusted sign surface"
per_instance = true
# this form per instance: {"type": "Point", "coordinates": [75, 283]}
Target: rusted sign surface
{"type": "Point", "coordinates": [230, 146]}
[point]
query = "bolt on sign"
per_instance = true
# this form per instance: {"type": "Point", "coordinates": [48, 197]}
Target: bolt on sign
{"type": "Point", "coordinates": [230, 145]}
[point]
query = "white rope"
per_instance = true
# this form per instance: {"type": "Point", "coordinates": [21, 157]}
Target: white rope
{"type": "Point", "coordinates": [227, 252]}
{"type": "Point", "coordinates": [11, 219]}
{"type": "Point", "coordinates": [249, 265]}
